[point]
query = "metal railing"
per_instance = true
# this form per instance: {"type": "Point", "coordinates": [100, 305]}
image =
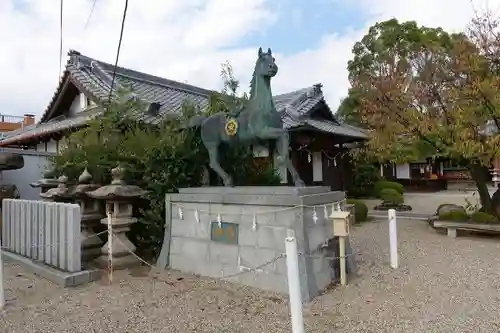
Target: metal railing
{"type": "Point", "coordinates": [11, 119]}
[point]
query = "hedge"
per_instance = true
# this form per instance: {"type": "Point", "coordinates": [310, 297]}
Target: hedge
{"type": "Point", "coordinates": [454, 216]}
{"type": "Point", "coordinates": [384, 184]}
{"type": "Point", "coordinates": [391, 196]}
{"type": "Point", "coordinates": [360, 210]}
{"type": "Point", "coordinates": [481, 217]}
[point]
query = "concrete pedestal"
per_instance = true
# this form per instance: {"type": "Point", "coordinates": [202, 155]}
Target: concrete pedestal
{"type": "Point", "coordinates": [259, 217]}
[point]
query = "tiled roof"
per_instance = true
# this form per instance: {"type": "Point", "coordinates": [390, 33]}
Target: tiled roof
{"type": "Point", "coordinates": [336, 128]}
{"type": "Point", "coordinates": [52, 126]}
{"type": "Point", "coordinates": [94, 77]}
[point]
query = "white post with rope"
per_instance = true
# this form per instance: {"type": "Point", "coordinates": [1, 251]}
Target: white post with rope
{"type": "Point", "coordinates": [110, 248]}
{"type": "Point", "coordinates": [2, 293]}
{"type": "Point", "coordinates": [393, 238]}
{"type": "Point", "coordinates": [292, 264]}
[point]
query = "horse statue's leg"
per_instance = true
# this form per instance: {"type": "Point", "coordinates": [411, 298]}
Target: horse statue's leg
{"type": "Point", "coordinates": [282, 143]}
{"type": "Point", "coordinates": [213, 154]}
{"type": "Point", "coordinates": [211, 138]}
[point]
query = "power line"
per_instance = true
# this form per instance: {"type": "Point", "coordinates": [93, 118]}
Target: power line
{"type": "Point", "coordinates": [90, 15]}
{"type": "Point", "coordinates": [118, 50]}
{"type": "Point", "coordinates": [61, 37]}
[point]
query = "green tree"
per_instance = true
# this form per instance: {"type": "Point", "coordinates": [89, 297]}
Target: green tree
{"type": "Point", "coordinates": [365, 175]}
{"type": "Point", "coordinates": [423, 91]}
{"type": "Point", "coordinates": [348, 110]}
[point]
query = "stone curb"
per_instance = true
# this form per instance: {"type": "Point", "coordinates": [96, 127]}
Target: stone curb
{"type": "Point", "coordinates": [64, 279]}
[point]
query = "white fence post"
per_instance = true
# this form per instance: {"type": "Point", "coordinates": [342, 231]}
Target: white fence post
{"type": "Point", "coordinates": [110, 248]}
{"type": "Point", "coordinates": [393, 238]}
{"type": "Point", "coordinates": [292, 264]}
{"type": "Point", "coordinates": [2, 294]}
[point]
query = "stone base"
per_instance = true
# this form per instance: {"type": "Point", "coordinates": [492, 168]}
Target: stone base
{"type": "Point", "coordinates": [61, 278]}
{"type": "Point", "coordinates": [89, 254]}
{"type": "Point", "coordinates": [123, 262]}
{"type": "Point", "coordinates": [188, 244]}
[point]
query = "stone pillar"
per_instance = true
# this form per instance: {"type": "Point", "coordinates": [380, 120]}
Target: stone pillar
{"type": "Point", "coordinates": [119, 198]}
{"type": "Point", "coordinates": [90, 215]}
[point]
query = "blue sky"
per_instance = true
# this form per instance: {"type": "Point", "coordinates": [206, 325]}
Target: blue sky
{"type": "Point", "coordinates": [300, 24]}
{"type": "Point", "coordinates": [21, 5]}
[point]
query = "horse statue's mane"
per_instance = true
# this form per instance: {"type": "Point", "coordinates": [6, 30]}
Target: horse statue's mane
{"type": "Point", "coordinates": [262, 99]}
{"type": "Point", "coordinates": [252, 82]}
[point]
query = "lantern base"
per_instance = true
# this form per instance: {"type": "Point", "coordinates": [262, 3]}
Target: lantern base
{"type": "Point", "coordinates": [127, 261]}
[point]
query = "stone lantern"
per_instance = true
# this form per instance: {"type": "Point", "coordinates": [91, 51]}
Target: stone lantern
{"type": "Point", "coordinates": [90, 215]}
{"type": "Point", "coordinates": [119, 197]}
{"type": "Point", "coordinates": [58, 193]}
{"type": "Point", "coordinates": [47, 182]}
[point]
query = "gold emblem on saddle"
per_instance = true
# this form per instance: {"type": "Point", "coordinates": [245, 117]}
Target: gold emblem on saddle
{"type": "Point", "coordinates": [231, 127]}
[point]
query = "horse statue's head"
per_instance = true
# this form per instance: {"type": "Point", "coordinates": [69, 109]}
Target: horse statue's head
{"type": "Point", "coordinates": [265, 65]}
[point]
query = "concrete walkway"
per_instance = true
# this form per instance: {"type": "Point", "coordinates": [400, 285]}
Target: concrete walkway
{"type": "Point", "coordinates": [425, 204]}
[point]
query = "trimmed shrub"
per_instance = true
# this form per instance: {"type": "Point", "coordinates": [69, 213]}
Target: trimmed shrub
{"type": "Point", "coordinates": [363, 180]}
{"type": "Point", "coordinates": [441, 206]}
{"type": "Point", "coordinates": [454, 216]}
{"type": "Point", "coordinates": [481, 217]}
{"type": "Point", "coordinates": [384, 184]}
{"type": "Point", "coordinates": [391, 196]}
{"type": "Point", "coordinates": [360, 210]}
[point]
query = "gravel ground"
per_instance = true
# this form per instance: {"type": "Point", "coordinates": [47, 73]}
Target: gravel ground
{"type": "Point", "coordinates": [442, 285]}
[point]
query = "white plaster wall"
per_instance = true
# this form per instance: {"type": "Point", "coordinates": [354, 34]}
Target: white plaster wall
{"type": "Point", "coordinates": [403, 171]}
{"type": "Point", "coordinates": [317, 160]}
{"type": "Point", "coordinates": [35, 164]}
{"type": "Point", "coordinates": [78, 104]}
{"type": "Point", "coordinates": [51, 146]}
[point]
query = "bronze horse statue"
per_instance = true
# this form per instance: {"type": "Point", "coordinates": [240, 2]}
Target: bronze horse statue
{"type": "Point", "coordinates": [257, 121]}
